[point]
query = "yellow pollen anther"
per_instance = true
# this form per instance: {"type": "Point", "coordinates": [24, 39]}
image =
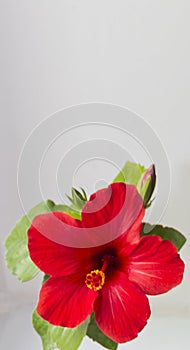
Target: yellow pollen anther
{"type": "Point", "coordinates": [95, 280]}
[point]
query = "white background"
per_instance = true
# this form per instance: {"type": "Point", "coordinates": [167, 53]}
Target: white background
{"type": "Point", "coordinates": [59, 53]}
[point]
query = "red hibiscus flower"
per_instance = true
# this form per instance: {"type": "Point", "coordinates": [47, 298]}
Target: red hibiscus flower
{"type": "Point", "coordinates": [110, 279]}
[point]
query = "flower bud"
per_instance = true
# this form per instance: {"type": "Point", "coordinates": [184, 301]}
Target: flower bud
{"type": "Point", "coordinates": [148, 184]}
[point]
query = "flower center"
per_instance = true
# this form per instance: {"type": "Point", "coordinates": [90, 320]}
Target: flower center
{"type": "Point", "coordinates": [95, 280]}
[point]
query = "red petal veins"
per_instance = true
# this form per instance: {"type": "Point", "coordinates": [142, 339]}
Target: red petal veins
{"type": "Point", "coordinates": [65, 301]}
{"type": "Point", "coordinates": [53, 258]}
{"type": "Point", "coordinates": [155, 266]}
{"type": "Point", "coordinates": [121, 309]}
{"type": "Point", "coordinates": [113, 211]}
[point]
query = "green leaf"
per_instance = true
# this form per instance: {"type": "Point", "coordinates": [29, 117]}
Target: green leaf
{"type": "Point", "coordinates": [69, 338]}
{"type": "Point", "coordinates": [54, 337]}
{"type": "Point", "coordinates": [131, 173]}
{"type": "Point", "coordinates": [97, 335]}
{"type": "Point", "coordinates": [168, 233]}
{"type": "Point", "coordinates": [17, 256]}
{"type": "Point", "coordinates": [43, 328]}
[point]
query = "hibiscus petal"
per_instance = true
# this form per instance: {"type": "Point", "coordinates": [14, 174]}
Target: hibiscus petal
{"type": "Point", "coordinates": [126, 242]}
{"type": "Point", "coordinates": [113, 211]}
{"type": "Point", "coordinates": [51, 257]}
{"type": "Point", "coordinates": [65, 301]}
{"type": "Point", "coordinates": [155, 266]}
{"type": "Point", "coordinates": [121, 309]}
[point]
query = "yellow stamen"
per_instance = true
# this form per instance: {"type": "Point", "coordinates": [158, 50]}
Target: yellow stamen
{"type": "Point", "coordinates": [95, 280]}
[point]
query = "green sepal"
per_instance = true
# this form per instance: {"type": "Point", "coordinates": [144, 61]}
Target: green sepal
{"type": "Point", "coordinates": [97, 335]}
{"type": "Point", "coordinates": [45, 278]}
{"type": "Point", "coordinates": [166, 233]}
{"type": "Point", "coordinates": [78, 199]}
